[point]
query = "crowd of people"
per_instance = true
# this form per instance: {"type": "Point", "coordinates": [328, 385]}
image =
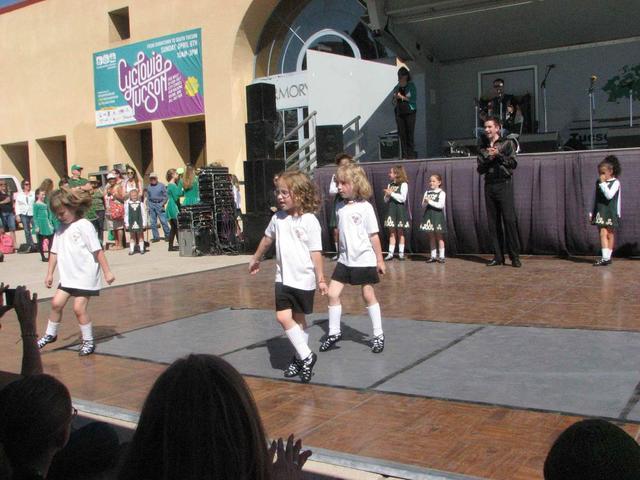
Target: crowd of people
{"type": "Point", "coordinates": [123, 209]}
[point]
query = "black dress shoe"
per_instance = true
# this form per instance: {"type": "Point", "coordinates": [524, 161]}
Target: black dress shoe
{"type": "Point", "coordinates": [602, 263]}
{"type": "Point", "coordinates": [495, 263]}
{"type": "Point", "coordinates": [516, 263]}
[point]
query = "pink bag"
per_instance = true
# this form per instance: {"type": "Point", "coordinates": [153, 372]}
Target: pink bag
{"type": "Point", "coordinates": [45, 245]}
{"type": "Point", "coordinates": [6, 244]}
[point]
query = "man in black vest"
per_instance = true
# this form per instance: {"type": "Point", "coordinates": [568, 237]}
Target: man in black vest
{"type": "Point", "coordinates": [496, 161]}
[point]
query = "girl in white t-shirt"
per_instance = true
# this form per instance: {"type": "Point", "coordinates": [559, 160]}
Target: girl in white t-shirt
{"type": "Point", "coordinates": [77, 253]}
{"type": "Point", "coordinates": [297, 234]}
{"type": "Point", "coordinates": [360, 259]}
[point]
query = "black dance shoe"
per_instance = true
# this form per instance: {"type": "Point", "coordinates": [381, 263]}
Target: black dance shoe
{"type": "Point", "coordinates": [516, 263]}
{"type": "Point", "coordinates": [495, 263]}
{"type": "Point", "coordinates": [602, 263]}
{"type": "Point", "coordinates": [306, 367]}
{"type": "Point", "coordinates": [330, 341]}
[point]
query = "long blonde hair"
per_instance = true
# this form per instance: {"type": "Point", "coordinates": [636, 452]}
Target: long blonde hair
{"type": "Point", "coordinates": [189, 177]}
{"type": "Point", "coordinates": [302, 189]}
{"type": "Point", "coordinates": [354, 174]}
{"type": "Point", "coordinates": [76, 200]}
{"type": "Point", "coordinates": [400, 174]}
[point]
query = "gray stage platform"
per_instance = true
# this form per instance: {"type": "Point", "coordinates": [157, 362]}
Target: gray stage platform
{"type": "Point", "coordinates": [584, 372]}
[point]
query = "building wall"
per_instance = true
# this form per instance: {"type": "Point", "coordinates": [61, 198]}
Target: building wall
{"type": "Point", "coordinates": [46, 89]}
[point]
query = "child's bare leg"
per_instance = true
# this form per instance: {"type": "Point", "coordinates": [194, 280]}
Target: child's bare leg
{"type": "Point", "coordinates": [392, 243]}
{"type": "Point", "coordinates": [440, 239]}
{"type": "Point", "coordinates": [432, 245]}
{"type": "Point", "coordinates": [335, 308]}
{"type": "Point", "coordinates": [58, 302]}
{"type": "Point", "coordinates": [401, 242]}
{"type": "Point", "coordinates": [373, 309]}
{"type": "Point", "coordinates": [80, 309]}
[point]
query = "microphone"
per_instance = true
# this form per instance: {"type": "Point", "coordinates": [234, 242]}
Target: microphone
{"type": "Point", "coordinates": [550, 66]}
{"type": "Point", "coordinates": [593, 79]}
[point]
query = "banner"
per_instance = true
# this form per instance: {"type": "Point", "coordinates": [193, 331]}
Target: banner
{"type": "Point", "coordinates": [151, 80]}
{"type": "Point", "coordinates": [291, 89]}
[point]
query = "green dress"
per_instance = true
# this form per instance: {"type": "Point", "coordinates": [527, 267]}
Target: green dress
{"type": "Point", "coordinates": [606, 212]}
{"type": "Point", "coordinates": [41, 220]}
{"type": "Point", "coordinates": [174, 193]}
{"type": "Point", "coordinates": [192, 195]}
{"type": "Point", "coordinates": [52, 216]}
{"type": "Point", "coordinates": [434, 220]}
{"type": "Point", "coordinates": [397, 216]}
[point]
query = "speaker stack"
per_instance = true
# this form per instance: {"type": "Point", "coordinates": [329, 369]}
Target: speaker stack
{"type": "Point", "coordinates": [329, 143]}
{"type": "Point", "coordinates": [261, 165]}
{"type": "Point", "coordinates": [216, 190]}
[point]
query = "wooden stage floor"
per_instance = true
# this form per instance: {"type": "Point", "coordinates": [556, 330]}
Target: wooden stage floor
{"type": "Point", "coordinates": [466, 437]}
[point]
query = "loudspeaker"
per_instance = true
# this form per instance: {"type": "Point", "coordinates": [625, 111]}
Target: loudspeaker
{"type": "Point", "coordinates": [253, 227]}
{"type": "Point", "coordinates": [461, 147]}
{"type": "Point", "coordinates": [260, 137]}
{"type": "Point", "coordinates": [389, 146]}
{"type": "Point", "coordinates": [624, 137]}
{"type": "Point", "coordinates": [329, 143]}
{"type": "Point", "coordinates": [258, 184]}
{"type": "Point", "coordinates": [539, 142]}
{"type": "Point", "coordinates": [261, 102]}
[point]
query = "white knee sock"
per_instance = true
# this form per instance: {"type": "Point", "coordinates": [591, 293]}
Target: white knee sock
{"type": "Point", "coordinates": [606, 254]}
{"type": "Point", "coordinates": [337, 246]}
{"type": "Point", "coordinates": [401, 249]}
{"type": "Point", "coordinates": [434, 253]}
{"type": "Point", "coordinates": [141, 245]}
{"type": "Point", "coordinates": [392, 248]}
{"type": "Point", "coordinates": [442, 252]}
{"type": "Point", "coordinates": [87, 331]}
{"type": "Point", "coordinates": [297, 338]}
{"type": "Point", "coordinates": [376, 319]}
{"type": "Point", "coordinates": [52, 328]}
{"type": "Point", "coordinates": [335, 312]}
{"type": "Point", "coordinates": [132, 246]}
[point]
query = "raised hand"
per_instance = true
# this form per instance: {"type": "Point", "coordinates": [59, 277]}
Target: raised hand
{"type": "Point", "coordinates": [26, 307]}
{"type": "Point", "coordinates": [290, 460]}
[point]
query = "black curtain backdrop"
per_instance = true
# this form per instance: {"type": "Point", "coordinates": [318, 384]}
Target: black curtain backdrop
{"type": "Point", "coordinates": [554, 193]}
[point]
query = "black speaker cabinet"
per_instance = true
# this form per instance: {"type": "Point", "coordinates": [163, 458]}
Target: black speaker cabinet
{"type": "Point", "coordinates": [258, 184]}
{"type": "Point", "coordinates": [329, 143]}
{"type": "Point", "coordinates": [624, 137]}
{"type": "Point", "coordinates": [253, 227]}
{"type": "Point", "coordinates": [260, 140]}
{"type": "Point", "coordinates": [261, 102]}
{"type": "Point", "coordinates": [389, 146]}
{"type": "Point", "coordinates": [539, 142]}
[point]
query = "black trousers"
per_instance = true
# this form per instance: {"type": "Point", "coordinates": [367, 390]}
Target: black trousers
{"type": "Point", "coordinates": [501, 211]}
{"type": "Point", "coordinates": [406, 125]}
{"type": "Point", "coordinates": [41, 244]}
{"type": "Point", "coordinates": [173, 233]}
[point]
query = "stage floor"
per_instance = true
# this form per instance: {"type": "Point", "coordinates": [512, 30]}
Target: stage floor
{"type": "Point", "coordinates": [482, 369]}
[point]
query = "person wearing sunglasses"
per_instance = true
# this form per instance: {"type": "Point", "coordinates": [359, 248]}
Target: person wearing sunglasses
{"type": "Point", "coordinates": [24, 210]}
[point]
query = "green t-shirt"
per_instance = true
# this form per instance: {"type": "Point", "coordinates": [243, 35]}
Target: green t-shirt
{"type": "Point", "coordinates": [77, 182]}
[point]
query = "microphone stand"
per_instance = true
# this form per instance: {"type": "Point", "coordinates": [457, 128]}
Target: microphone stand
{"type": "Point", "coordinates": [475, 107]}
{"type": "Point", "coordinates": [543, 86]}
{"type": "Point", "coordinates": [592, 109]}
{"type": "Point", "coordinates": [631, 106]}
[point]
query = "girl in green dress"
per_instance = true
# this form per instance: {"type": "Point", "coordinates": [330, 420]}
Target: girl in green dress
{"type": "Point", "coordinates": [606, 208]}
{"type": "Point", "coordinates": [174, 192]}
{"type": "Point", "coordinates": [434, 221]}
{"type": "Point", "coordinates": [190, 186]}
{"type": "Point", "coordinates": [42, 225]}
{"type": "Point", "coordinates": [397, 219]}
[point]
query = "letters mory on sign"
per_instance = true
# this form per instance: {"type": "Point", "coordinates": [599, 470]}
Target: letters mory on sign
{"type": "Point", "coordinates": [151, 80]}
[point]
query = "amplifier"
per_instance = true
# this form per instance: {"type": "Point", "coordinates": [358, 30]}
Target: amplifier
{"type": "Point", "coordinates": [623, 137]}
{"type": "Point", "coordinates": [196, 242]}
{"type": "Point", "coordinates": [195, 216]}
{"type": "Point", "coordinates": [389, 146]}
{"type": "Point", "coordinates": [539, 142]}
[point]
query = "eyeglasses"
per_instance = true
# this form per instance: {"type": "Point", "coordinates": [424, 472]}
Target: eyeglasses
{"type": "Point", "coordinates": [284, 193]}
{"type": "Point", "coordinates": [130, 173]}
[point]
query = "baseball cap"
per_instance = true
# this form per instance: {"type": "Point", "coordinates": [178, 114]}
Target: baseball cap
{"type": "Point", "coordinates": [180, 170]}
{"type": "Point", "coordinates": [153, 175]}
{"type": "Point", "coordinates": [111, 175]}
{"type": "Point", "coordinates": [93, 178]}
{"type": "Point", "coordinates": [75, 167]}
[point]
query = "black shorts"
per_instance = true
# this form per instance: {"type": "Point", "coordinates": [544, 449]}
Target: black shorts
{"type": "Point", "coordinates": [289, 298]}
{"type": "Point", "coordinates": [355, 275]}
{"type": "Point", "coordinates": [77, 292]}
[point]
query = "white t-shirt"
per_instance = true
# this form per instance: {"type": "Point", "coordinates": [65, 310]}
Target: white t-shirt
{"type": "Point", "coordinates": [357, 222]}
{"type": "Point", "coordinates": [296, 237]}
{"type": "Point", "coordinates": [24, 203]}
{"type": "Point", "coordinates": [75, 243]}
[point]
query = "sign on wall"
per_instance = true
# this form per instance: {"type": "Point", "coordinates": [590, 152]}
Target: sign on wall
{"type": "Point", "coordinates": [291, 89]}
{"type": "Point", "coordinates": [150, 80]}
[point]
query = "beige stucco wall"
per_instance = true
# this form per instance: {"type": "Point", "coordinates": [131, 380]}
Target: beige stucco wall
{"type": "Point", "coordinates": [46, 85]}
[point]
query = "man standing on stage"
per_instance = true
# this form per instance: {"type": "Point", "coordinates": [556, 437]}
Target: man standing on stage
{"type": "Point", "coordinates": [496, 161]}
{"type": "Point", "coordinates": [498, 104]}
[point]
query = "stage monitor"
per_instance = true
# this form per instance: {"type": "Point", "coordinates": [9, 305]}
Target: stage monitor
{"type": "Point", "coordinates": [624, 137]}
{"type": "Point", "coordinates": [539, 142]}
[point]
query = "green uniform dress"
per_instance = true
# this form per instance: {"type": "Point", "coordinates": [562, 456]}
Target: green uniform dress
{"type": "Point", "coordinates": [52, 216]}
{"type": "Point", "coordinates": [134, 216]}
{"type": "Point", "coordinates": [192, 195]}
{"type": "Point", "coordinates": [396, 216]}
{"type": "Point", "coordinates": [174, 193]}
{"type": "Point", "coordinates": [606, 211]}
{"type": "Point", "coordinates": [434, 220]}
{"type": "Point", "coordinates": [42, 224]}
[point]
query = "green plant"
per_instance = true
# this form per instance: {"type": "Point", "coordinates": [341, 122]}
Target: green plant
{"type": "Point", "coordinates": [619, 86]}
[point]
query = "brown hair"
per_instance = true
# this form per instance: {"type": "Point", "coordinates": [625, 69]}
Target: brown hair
{"type": "Point", "coordinates": [47, 186]}
{"type": "Point", "coordinates": [437, 175]}
{"type": "Point", "coordinates": [170, 173]}
{"type": "Point", "coordinates": [188, 178]}
{"type": "Point", "coordinates": [303, 190]}
{"type": "Point", "coordinates": [76, 200]}
{"type": "Point", "coordinates": [354, 174]}
{"type": "Point", "coordinates": [341, 156]}
{"type": "Point", "coordinates": [400, 174]}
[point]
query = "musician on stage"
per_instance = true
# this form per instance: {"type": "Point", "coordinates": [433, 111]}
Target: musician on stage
{"type": "Point", "coordinates": [496, 161]}
{"type": "Point", "coordinates": [405, 102]}
{"type": "Point", "coordinates": [498, 105]}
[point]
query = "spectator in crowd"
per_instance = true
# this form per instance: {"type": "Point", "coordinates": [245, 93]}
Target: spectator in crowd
{"type": "Point", "coordinates": [132, 182]}
{"type": "Point", "coordinates": [114, 209]}
{"type": "Point", "coordinates": [156, 198]}
{"type": "Point", "coordinates": [42, 224]}
{"type": "Point", "coordinates": [76, 179]}
{"type": "Point", "coordinates": [97, 193]}
{"type": "Point", "coordinates": [200, 422]}
{"type": "Point", "coordinates": [47, 187]}
{"type": "Point", "coordinates": [593, 449]}
{"type": "Point", "coordinates": [191, 186]}
{"type": "Point", "coordinates": [6, 211]}
{"type": "Point", "coordinates": [173, 205]}
{"type": "Point", "coordinates": [24, 210]}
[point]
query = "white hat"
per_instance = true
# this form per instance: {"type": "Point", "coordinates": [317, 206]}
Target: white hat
{"type": "Point", "coordinates": [111, 175]}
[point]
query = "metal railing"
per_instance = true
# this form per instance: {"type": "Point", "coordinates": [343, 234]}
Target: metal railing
{"type": "Point", "coordinates": [304, 157]}
{"type": "Point", "coordinates": [356, 138]}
